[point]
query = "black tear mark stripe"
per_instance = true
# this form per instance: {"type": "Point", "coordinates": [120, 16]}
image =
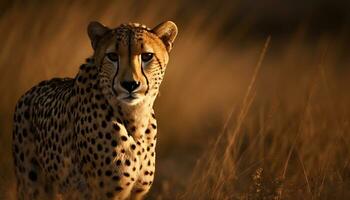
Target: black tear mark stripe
{"type": "Point", "coordinates": [113, 81]}
{"type": "Point", "coordinates": [143, 73]}
{"type": "Point", "coordinates": [116, 73]}
{"type": "Point", "coordinates": [117, 45]}
{"type": "Point", "coordinates": [159, 63]}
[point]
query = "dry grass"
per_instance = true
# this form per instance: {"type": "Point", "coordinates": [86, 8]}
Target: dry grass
{"type": "Point", "coordinates": [240, 117]}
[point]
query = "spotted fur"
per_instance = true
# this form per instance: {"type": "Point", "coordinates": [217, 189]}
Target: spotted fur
{"type": "Point", "coordinates": [94, 136]}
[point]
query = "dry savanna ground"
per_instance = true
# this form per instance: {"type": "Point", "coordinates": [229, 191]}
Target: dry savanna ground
{"type": "Point", "coordinates": [258, 117]}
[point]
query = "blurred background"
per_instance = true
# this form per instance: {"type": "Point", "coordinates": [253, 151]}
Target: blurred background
{"type": "Point", "coordinates": [255, 103]}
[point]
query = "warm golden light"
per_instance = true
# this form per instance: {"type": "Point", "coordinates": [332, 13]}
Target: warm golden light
{"type": "Point", "coordinates": [248, 109]}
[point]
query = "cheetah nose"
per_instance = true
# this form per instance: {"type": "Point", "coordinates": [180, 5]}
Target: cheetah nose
{"type": "Point", "coordinates": [130, 86]}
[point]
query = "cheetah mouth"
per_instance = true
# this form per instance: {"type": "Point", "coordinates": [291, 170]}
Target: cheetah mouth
{"type": "Point", "coordinates": [129, 98]}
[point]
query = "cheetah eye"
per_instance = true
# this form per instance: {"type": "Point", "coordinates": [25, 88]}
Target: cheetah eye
{"type": "Point", "coordinates": [112, 57]}
{"type": "Point", "coordinates": [145, 57]}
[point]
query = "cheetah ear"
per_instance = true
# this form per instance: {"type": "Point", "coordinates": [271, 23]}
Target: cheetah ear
{"type": "Point", "coordinates": [167, 32]}
{"type": "Point", "coordinates": [96, 31]}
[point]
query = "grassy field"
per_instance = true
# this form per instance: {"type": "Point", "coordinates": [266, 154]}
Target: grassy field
{"type": "Point", "coordinates": [242, 115]}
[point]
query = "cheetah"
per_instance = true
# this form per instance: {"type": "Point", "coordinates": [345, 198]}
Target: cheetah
{"type": "Point", "coordinates": [94, 136]}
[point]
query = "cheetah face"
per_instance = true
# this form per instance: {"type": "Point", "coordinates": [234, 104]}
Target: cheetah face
{"type": "Point", "coordinates": [132, 58]}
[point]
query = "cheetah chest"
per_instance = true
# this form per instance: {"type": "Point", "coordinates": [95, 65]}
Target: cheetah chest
{"type": "Point", "coordinates": [119, 157]}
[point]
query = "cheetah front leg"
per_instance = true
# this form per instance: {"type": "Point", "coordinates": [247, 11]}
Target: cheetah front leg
{"type": "Point", "coordinates": [144, 183]}
{"type": "Point", "coordinates": [139, 192]}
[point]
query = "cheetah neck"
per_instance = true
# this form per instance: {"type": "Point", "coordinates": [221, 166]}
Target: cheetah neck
{"type": "Point", "coordinates": [136, 118]}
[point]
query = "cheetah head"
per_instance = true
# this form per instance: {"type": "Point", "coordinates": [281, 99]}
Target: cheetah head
{"type": "Point", "coordinates": [131, 59]}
